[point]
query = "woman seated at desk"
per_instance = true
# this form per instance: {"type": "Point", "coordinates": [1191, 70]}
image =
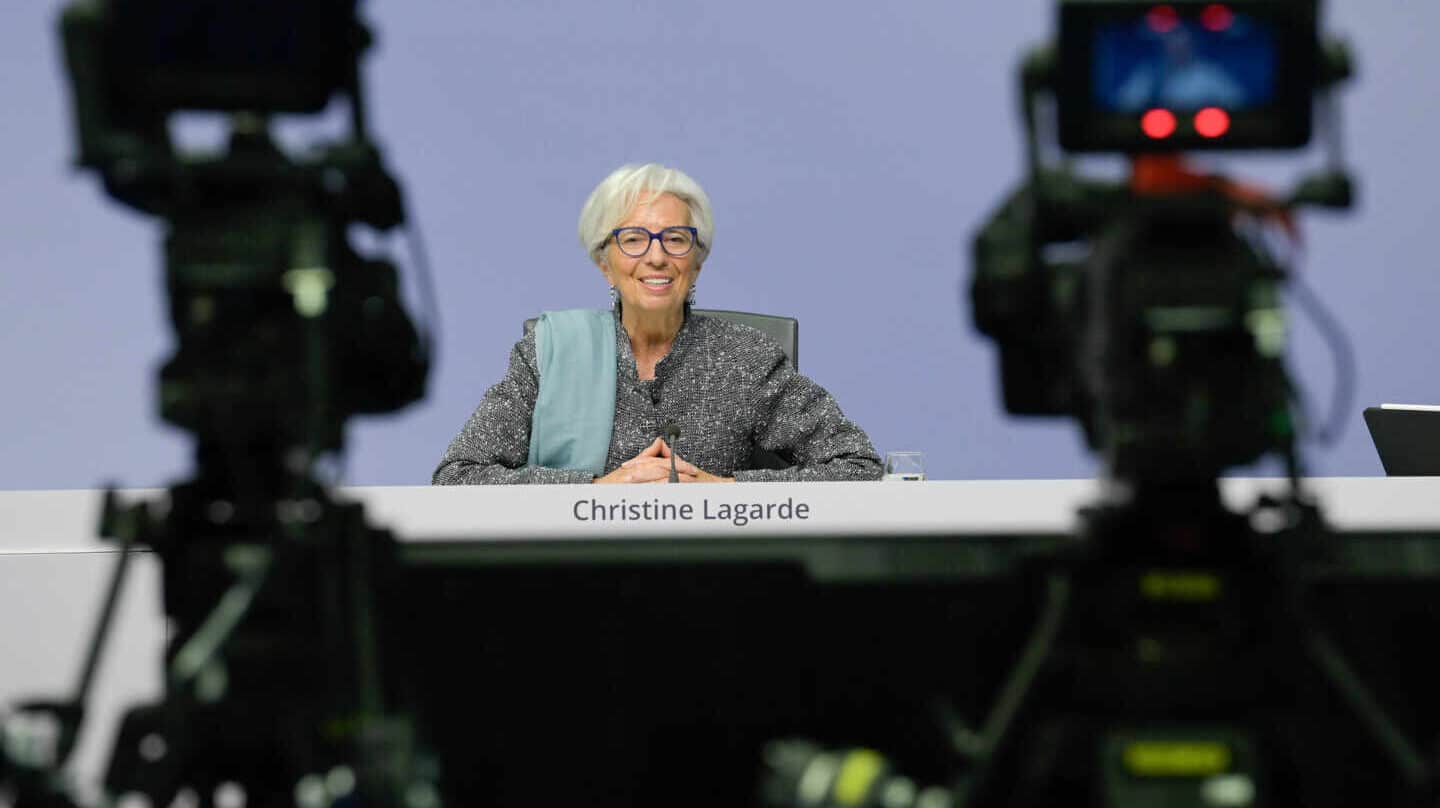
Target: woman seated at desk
{"type": "Point", "coordinates": [590, 394]}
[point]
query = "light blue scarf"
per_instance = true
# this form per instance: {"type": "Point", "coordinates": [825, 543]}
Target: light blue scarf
{"type": "Point", "coordinates": [575, 409]}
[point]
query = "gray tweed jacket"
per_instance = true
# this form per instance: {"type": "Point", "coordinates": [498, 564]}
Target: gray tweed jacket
{"type": "Point", "coordinates": [728, 387]}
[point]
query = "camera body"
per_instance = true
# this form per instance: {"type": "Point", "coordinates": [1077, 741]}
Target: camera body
{"type": "Point", "coordinates": [1150, 309]}
{"type": "Point", "coordinates": [283, 328]}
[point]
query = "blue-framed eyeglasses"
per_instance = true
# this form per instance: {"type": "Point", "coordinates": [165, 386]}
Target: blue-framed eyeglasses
{"type": "Point", "coordinates": [675, 241]}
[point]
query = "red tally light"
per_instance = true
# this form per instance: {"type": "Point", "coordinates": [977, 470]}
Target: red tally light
{"type": "Point", "coordinates": [1212, 122]}
{"type": "Point", "coordinates": [1158, 123]}
{"type": "Point", "coordinates": [1163, 19]}
{"type": "Point", "coordinates": [1217, 17]}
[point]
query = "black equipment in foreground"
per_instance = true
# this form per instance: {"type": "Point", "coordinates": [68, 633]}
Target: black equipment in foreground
{"type": "Point", "coordinates": [673, 671]}
{"type": "Point", "coordinates": [1183, 653]}
{"type": "Point", "coordinates": [1179, 657]}
{"type": "Point", "coordinates": [274, 589]}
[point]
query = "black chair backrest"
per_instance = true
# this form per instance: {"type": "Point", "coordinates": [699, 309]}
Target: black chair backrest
{"type": "Point", "coordinates": [784, 330]}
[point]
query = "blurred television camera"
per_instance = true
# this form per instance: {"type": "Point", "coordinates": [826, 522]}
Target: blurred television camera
{"type": "Point", "coordinates": [1180, 653]}
{"type": "Point", "coordinates": [284, 329]}
{"type": "Point", "coordinates": [1150, 309]}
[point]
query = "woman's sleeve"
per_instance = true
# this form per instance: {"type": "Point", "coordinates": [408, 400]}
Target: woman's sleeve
{"type": "Point", "coordinates": [798, 420]}
{"type": "Point", "coordinates": [494, 445]}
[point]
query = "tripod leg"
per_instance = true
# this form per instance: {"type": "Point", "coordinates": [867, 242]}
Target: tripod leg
{"type": "Point", "coordinates": [1407, 759]}
{"type": "Point", "coordinates": [1016, 691]}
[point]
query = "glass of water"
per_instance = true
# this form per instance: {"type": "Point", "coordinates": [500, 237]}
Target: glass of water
{"type": "Point", "coordinates": [904, 466]}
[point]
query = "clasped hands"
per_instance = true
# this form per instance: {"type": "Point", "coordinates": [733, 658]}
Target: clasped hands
{"type": "Point", "coordinates": [652, 465]}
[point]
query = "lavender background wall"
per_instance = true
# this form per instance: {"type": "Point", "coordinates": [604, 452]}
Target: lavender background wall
{"type": "Point", "coordinates": [885, 135]}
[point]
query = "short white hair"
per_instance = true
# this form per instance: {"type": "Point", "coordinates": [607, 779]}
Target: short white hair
{"type": "Point", "coordinates": [616, 195]}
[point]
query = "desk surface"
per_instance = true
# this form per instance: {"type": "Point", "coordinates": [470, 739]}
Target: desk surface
{"type": "Point", "coordinates": [66, 521]}
{"type": "Point", "coordinates": [754, 510]}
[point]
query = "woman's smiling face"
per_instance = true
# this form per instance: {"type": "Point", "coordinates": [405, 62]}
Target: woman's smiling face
{"type": "Point", "coordinates": [656, 282]}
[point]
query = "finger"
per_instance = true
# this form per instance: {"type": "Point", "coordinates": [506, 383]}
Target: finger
{"type": "Point", "coordinates": [681, 464]}
{"type": "Point", "coordinates": [649, 474]}
{"type": "Point", "coordinates": [650, 468]}
{"type": "Point", "coordinates": [653, 450]}
{"type": "Point", "coordinates": [648, 453]}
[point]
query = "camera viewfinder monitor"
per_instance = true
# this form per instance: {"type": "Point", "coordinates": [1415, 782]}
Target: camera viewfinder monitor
{"type": "Point", "coordinates": [1181, 76]}
{"type": "Point", "coordinates": [270, 55]}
